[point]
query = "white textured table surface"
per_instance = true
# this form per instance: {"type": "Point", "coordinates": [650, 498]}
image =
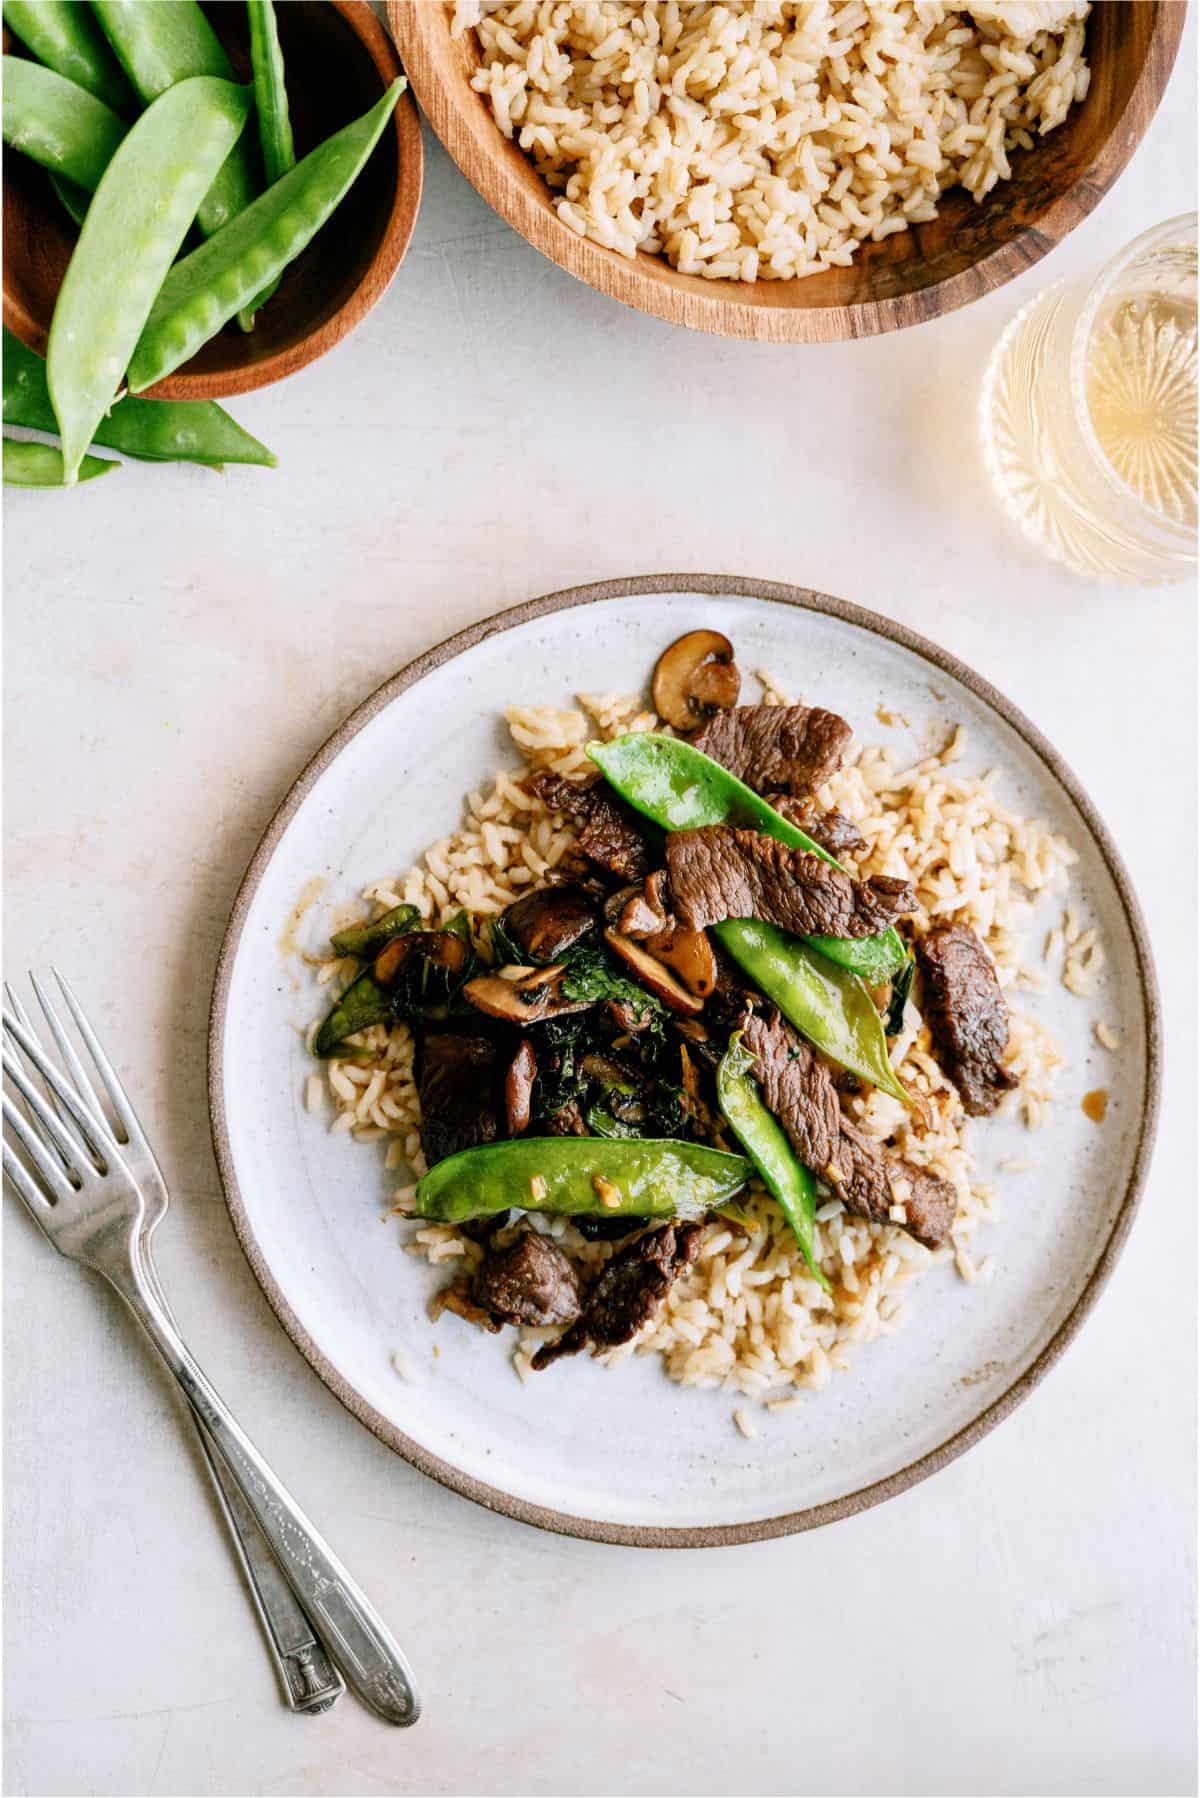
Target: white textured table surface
{"type": "Point", "coordinates": [178, 643]}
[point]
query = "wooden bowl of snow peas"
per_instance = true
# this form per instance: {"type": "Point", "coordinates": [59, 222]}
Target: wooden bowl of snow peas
{"type": "Point", "coordinates": [337, 61]}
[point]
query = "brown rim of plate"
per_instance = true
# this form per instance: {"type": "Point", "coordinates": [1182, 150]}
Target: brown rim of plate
{"type": "Point", "coordinates": [762, 1529]}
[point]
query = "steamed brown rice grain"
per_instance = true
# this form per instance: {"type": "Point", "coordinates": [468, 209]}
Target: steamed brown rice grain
{"type": "Point", "coordinates": [769, 141]}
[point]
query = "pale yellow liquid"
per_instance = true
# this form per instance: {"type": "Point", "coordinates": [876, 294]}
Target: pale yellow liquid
{"type": "Point", "coordinates": [1141, 395]}
{"type": "Point", "coordinates": [1089, 422]}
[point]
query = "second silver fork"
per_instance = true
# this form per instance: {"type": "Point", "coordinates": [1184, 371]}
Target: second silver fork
{"type": "Point", "coordinates": [310, 1682]}
{"type": "Point", "coordinates": [84, 1194]}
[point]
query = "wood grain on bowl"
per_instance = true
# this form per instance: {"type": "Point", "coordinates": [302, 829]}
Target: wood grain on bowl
{"type": "Point", "coordinates": [908, 278]}
{"type": "Point", "coordinates": [338, 58]}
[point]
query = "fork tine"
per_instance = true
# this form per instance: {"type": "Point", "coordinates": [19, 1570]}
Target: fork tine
{"type": "Point", "coordinates": [75, 1069]}
{"type": "Point", "coordinates": [53, 1177]}
{"type": "Point", "coordinates": [118, 1097]}
{"type": "Point", "coordinates": [22, 1016]}
{"type": "Point", "coordinates": [95, 1132]}
{"type": "Point", "coordinates": [26, 1187]}
{"type": "Point", "coordinates": [74, 1154]}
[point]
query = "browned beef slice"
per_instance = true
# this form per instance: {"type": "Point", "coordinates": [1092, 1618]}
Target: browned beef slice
{"type": "Point", "coordinates": [837, 834]}
{"type": "Point", "coordinates": [967, 1013]}
{"type": "Point", "coordinates": [529, 1282]}
{"type": "Point", "coordinates": [609, 832]}
{"type": "Point", "coordinates": [777, 748]}
{"type": "Point", "coordinates": [799, 1089]}
{"type": "Point", "coordinates": [456, 1090]}
{"type": "Point", "coordinates": [876, 1182]}
{"type": "Point", "coordinates": [721, 872]}
{"type": "Point", "coordinates": [630, 1291]}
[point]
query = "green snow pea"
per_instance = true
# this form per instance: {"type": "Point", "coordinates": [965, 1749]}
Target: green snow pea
{"type": "Point", "coordinates": [827, 1004]}
{"type": "Point", "coordinates": [138, 218]}
{"type": "Point", "coordinates": [29, 464]}
{"type": "Point", "coordinates": [789, 1182]}
{"type": "Point", "coordinates": [58, 124]}
{"type": "Point", "coordinates": [152, 430]}
{"type": "Point", "coordinates": [271, 105]}
{"type": "Point", "coordinates": [567, 1176]}
{"type": "Point", "coordinates": [364, 941]}
{"type": "Point", "coordinates": [270, 91]}
{"type": "Point", "coordinates": [159, 44]}
{"type": "Point", "coordinates": [681, 788]}
{"type": "Point", "coordinates": [75, 200]}
{"type": "Point", "coordinates": [64, 35]}
{"type": "Point", "coordinates": [209, 286]}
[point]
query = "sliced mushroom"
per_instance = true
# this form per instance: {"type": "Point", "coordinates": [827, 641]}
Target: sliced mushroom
{"type": "Point", "coordinates": [690, 955]}
{"type": "Point", "coordinates": [518, 1088]}
{"type": "Point", "coordinates": [441, 947]}
{"type": "Point", "coordinates": [523, 995]}
{"type": "Point", "coordinates": [546, 923]}
{"type": "Point", "coordinates": [645, 914]}
{"type": "Point", "coordinates": [694, 678]}
{"type": "Point", "coordinates": [688, 952]}
{"type": "Point", "coordinates": [653, 976]}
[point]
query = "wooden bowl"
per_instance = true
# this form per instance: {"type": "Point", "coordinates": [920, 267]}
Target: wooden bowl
{"type": "Point", "coordinates": [339, 59]}
{"type": "Point", "coordinates": [915, 275]}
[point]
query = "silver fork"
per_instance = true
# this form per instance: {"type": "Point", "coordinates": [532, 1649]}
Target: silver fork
{"type": "Point", "coordinates": [310, 1682]}
{"type": "Point", "coordinates": [86, 1198]}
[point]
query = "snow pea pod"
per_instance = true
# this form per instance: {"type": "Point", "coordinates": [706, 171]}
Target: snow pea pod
{"type": "Point", "coordinates": [159, 45]}
{"type": "Point", "coordinates": [58, 124]}
{"type": "Point", "coordinates": [64, 36]}
{"type": "Point", "coordinates": [137, 220]}
{"type": "Point", "coordinates": [789, 1182]}
{"type": "Point", "coordinates": [28, 464]}
{"type": "Point", "coordinates": [151, 430]}
{"type": "Point", "coordinates": [681, 788]}
{"type": "Point", "coordinates": [364, 941]}
{"type": "Point", "coordinates": [271, 106]}
{"type": "Point", "coordinates": [582, 1176]}
{"type": "Point", "coordinates": [74, 200]}
{"type": "Point", "coordinates": [206, 288]}
{"type": "Point", "coordinates": [827, 1003]}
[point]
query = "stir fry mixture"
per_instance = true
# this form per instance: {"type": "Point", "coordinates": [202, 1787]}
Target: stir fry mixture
{"type": "Point", "coordinates": [683, 1011]}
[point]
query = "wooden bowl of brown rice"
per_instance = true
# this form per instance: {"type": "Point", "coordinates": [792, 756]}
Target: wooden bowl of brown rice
{"type": "Point", "coordinates": [794, 174]}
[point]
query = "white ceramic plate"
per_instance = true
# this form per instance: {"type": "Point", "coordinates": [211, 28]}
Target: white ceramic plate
{"type": "Point", "coordinates": [626, 1455]}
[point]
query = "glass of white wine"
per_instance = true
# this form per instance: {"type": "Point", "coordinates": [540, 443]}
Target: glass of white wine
{"type": "Point", "coordinates": [1089, 414]}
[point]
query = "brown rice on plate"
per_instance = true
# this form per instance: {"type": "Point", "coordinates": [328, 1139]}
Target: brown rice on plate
{"type": "Point", "coordinates": [765, 139]}
{"type": "Point", "coordinates": [748, 1316]}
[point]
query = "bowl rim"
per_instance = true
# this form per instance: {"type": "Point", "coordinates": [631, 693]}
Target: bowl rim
{"type": "Point", "coordinates": [787, 1523]}
{"type": "Point", "coordinates": [218, 384]}
{"type": "Point", "coordinates": [709, 305]}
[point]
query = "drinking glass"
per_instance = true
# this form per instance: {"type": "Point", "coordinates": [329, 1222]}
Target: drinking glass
{"type": "Point", "coordinates": [1089, 414]}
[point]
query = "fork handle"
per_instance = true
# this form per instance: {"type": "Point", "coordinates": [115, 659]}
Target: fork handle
{"type": "Point", "coordinates": [355, 1634]}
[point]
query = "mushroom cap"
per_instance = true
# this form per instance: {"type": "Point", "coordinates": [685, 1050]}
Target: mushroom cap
{"type": "Point", "coordinates": [695, 677]}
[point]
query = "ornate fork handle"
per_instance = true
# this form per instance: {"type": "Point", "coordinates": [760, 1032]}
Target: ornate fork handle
{"type": "Point", "coordinates": [362, 1644]}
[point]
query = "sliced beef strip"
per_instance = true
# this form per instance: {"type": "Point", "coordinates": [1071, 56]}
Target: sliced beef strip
{"type": "Point", "coordinates": [456, 1087]}
{"type": "Point", "coordinates": [967, 1014]}
{"type": "Point", "coordinates": [799, 1089]}
{"type": "Point", "coordinates": [722, 872]}
{"type": "Point", "coordinates": [609, 832]}
{"type": "Point", "coordinates": [837, 834]}
{"type": "Point", "coordinates": [630, 1291]}
{"type": "Point", "coordinates": [528, 1282]}
{"type": "Point", "coordinates": [777, 748]}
